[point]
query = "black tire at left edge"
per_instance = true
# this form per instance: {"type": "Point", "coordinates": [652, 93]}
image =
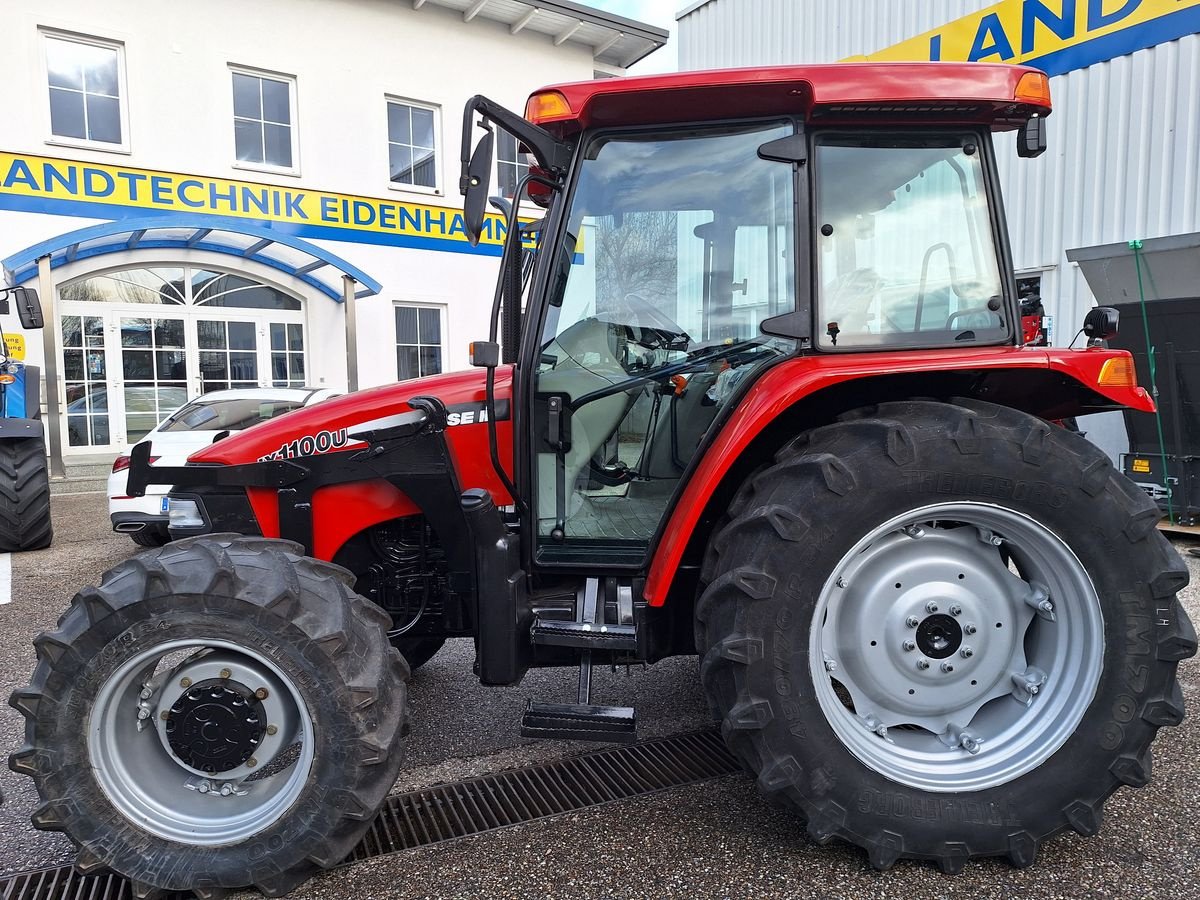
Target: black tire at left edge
{"type": "Point", "coordinates": [24, 495]}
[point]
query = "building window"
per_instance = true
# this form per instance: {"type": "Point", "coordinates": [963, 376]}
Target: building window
{"type": "Point", "coordinates": [264, 116]}
{"type": "Point", "coordinates": [511, 166]}
{"type": "Point", "coordinates": [287, 354]}
{"type": "Point", "coordinates": [85, 77]}
{"type": "Point", "coordinates": [412, 145]}
{"type": "Point", "coordinates": [418, 341]}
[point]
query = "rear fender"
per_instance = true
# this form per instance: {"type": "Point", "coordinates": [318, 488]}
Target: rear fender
{"type": "Point", "coordinates": [806, 392]}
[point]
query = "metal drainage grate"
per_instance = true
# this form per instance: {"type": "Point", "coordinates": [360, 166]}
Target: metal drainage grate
{"type": "Point", "coordinates": [449, 811]}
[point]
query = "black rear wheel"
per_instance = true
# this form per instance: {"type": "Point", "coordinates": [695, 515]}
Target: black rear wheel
{"type": "Point", "coordinates": [24, 495]}
{"type": "Point", "coordinates": [150, 536]}
{"type": "Point", "coordinates": [220, 713]}
{"type": "Point", "coordinates": [943, 631]}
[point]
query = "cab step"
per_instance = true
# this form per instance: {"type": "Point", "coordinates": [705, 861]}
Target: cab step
{"type": "Point", "coordinates": [582, 720]}
{"type": "Point", "coordinates": [579, 722]}
{"type": "Point", "coordinates": [584, 635]}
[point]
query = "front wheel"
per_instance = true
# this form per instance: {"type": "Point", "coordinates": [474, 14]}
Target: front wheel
{"type": "Point", "coordinates": [943, 631]}
{"type": "Point", "coordinates": [220, 713]}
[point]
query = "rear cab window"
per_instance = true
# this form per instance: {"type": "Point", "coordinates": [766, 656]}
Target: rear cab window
{"type": "Point", "coordinates": [906, 249]}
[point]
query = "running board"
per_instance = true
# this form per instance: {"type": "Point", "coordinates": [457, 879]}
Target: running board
{"type": "Point", "coordinates": [579, 722]}
{"type": "Point", "coordinates": [584, 635]}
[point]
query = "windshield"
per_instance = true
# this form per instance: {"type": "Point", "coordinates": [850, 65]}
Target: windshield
{"type": "Point", "coordinates": [227, 415]}
{"type": "Point", "coordinates": [679, 246]}
{"type": "Point", "coordinates": [906, 249]}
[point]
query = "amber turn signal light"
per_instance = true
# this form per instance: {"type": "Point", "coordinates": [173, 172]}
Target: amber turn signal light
{"type": "Point", "coordinates": [1118, 372]}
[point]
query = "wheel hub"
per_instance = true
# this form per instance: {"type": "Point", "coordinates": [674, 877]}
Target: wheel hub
{"type": "Point", "coordinates": [939, 636]}
{"type": "Point", "coordinates": [216, 725]}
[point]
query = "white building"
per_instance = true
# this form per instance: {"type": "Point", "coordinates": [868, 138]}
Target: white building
{"type": "Point", "coordinates": [195, 189]}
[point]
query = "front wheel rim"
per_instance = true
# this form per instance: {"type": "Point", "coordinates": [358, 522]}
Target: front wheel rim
{"type": "Point", "coordinates": [956, 647]}
{"type": "Point", "coordinates": [217, 796]}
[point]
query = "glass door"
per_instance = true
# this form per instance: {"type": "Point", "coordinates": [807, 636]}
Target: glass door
{"type": "Point", "coordinates": [228, 354]}
{"type": "Point", "coordinates": [154, 371]}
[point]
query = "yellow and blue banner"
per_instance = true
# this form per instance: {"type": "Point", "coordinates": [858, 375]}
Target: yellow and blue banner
{"type": "Point", "coordinates": [1056, 36]}
{"type": "Point", "coordinates": [94, 190]}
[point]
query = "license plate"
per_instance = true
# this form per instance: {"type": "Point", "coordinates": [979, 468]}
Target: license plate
{"type": "Point", "coordinates": [166, 505]}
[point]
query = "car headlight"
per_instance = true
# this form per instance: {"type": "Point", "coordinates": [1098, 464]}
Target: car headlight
{"type": "Point", "coordinates": [184, 514]}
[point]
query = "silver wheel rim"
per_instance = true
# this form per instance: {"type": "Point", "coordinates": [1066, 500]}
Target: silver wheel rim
{"type": "Point", "coordinates": [957, 646]}
{"type": "Point", "coordinates": [151, 786]}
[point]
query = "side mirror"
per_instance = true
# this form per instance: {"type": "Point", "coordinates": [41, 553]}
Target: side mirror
{"type": "Point", "coordinates": [1100, 324]}
{"type": "Point", "coordinates": [29, 307]}
{"type": "Point", "coordinates": [1031, 139]}
{"type": "Point", "coordinates": [476, 185]}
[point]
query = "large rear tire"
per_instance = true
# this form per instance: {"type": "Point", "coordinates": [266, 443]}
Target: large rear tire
{"type": "Point", "coordinates": [24, 495]}
{"type": "Point", "coordinates": [244, 632]}
{"type": "Point", "coordinates": [943, 631]}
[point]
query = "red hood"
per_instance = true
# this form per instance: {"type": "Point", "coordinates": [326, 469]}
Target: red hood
{"type": "Point", "coordinates": [326, 423]}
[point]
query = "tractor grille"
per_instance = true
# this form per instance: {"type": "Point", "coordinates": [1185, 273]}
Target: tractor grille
{"type": "Point", "coordinates": [449, 811]}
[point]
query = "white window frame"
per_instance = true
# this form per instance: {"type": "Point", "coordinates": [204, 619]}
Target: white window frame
{"type": "Point", "coordinates": [54, 34]}
{"type": "Point", "coordinates": [442, 327]}
{"type": "Point", "coordinates": [501, 162]}
{"type": "Point", "coordinates": [293, 125]}
{"type": "Point", "coordinates": [436, 190]}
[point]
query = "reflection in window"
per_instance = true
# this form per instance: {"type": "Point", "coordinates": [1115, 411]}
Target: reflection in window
{"type": "Point", "coordinates": [85, 90]}
{"type": "Point", "coordinates": [287, 355]}
{"type": "Point", "coordinates": [511, 166]}
{"type": "Point", "coordinates": [418, 342]}
{"type": "Point", "coordinates": [262, 120]}
{"type": "Point", "coordinates": [412, 145]}
{"type": "Point", "coordinates": [228, 355]}
{"type": "Point", "coordinates": [154, 369]}
{"type": "Point", "coordinates": [906, 250]}
{"type": "Point", "coordinates": [84, 369]}
{"type": "Point", "coordinates": [178, 285]}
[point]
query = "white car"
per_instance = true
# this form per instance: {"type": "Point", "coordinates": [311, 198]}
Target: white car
{"type": "Point", "coordinates": [194, 425]}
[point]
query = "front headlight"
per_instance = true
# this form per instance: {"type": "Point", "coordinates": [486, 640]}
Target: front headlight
{"type": "Point", "coordinates": [184, 514]}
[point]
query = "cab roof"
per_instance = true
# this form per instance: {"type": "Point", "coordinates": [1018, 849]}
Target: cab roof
{"type": "Point", "coordinates": [1000, 96]}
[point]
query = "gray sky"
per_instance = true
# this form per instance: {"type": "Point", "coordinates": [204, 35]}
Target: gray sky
{"type": "Point", "coordinates": [653, 12]}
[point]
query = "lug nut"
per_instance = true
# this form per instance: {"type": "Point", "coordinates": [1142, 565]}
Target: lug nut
{"type": "Point", "coordinates": [272, 729]}
{"type": "Point", "coordinates": [251, 763]}
{"type": "Point", "coordinates": [931, 607]}
{"type": "Point", "coordinates": [947, 668]}
{"type": "Point", "coordinates": [922, 664]}
{"type": "Point", "coordinates": [164, 715]}
{"type": "Point", "coordinates": [225, 673]}
{"type": "Point", "coordinates": [912, 621]}
{"type": "Point", "coordinates": [261, 694]}
{"type": "Point", "coordinates": [969, 629]}
{"type": "Point", "coordinates": [956, 610]}
{"type": "Point", "coordinates": [909, 646]}
{"type": "Point", "coordinates": [185, 682]}
{"type": "Point", "coordinates": [966, 652]}
{"type": "Point", "coordinates": [841, 582]}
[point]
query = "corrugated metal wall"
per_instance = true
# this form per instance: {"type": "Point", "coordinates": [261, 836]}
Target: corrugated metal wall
{"type": "Point", "coordinates": [1124, 157]}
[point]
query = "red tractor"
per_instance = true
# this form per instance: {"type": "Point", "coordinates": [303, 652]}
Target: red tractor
{"type": "Point", "coordinates": [755, 389]}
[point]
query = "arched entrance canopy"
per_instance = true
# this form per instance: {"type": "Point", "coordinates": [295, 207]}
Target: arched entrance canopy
{"type": "Point", "coordinates": [217, 234]}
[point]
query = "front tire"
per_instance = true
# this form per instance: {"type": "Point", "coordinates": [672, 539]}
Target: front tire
{"type": "Point", "coordinates": [874, 546]}
{"type": "Point", "coordinates": [245, 632]}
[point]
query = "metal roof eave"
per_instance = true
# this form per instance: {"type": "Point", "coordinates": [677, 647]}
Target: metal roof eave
{"type": "Point", "coordinates": [206, 233]}
{"type": "Point", "coordinates": [614, 50]}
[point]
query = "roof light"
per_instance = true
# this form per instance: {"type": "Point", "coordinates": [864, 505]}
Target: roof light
{"type": "Point", "coordinates": [1033, 88]}
{"type": "Point", "coordinates": [548, 106]}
